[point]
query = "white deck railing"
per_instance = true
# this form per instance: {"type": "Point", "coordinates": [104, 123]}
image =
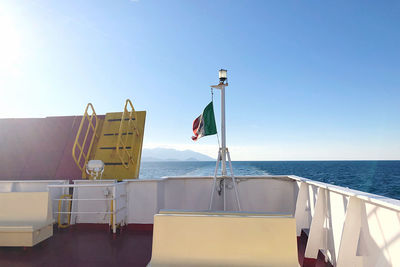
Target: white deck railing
{"type": "Point", "coordinates": [352, 228]}
{"type": "Point", "coordinates": [116, 197]}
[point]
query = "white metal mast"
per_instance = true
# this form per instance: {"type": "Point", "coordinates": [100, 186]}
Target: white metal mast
{"type": "Point", "coordinates": [222, 86]}
{"type": "Point", "coordinates": [223, 151]}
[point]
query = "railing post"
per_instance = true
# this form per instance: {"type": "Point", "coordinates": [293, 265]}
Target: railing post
{"type": "Point", "coordinates": [114, 209]}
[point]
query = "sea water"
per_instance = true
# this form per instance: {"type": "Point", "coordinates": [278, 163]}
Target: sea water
{"type": "Point", "coordinates": [377, 177]}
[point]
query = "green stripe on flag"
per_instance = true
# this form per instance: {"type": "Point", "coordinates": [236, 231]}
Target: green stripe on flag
{"type": "Point", "coordinates": [209, 120]}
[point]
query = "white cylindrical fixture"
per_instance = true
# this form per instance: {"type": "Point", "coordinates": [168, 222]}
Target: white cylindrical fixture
{"type": "Point", "coordinates": [222, 75]}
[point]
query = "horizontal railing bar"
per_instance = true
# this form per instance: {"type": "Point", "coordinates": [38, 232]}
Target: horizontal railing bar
{"type": "Point", "coordinates": [82, 212]}
{"type": "Point", "coordinates": [85, 199]}
{"type": "Point", "coordinates": [90, 212]}
{"type": "Point", "coordinates": [33, 181]}
{"type": "Point", "coordinates": [82, 185]}
{"type": "Point", "coordinates": [382, 201]}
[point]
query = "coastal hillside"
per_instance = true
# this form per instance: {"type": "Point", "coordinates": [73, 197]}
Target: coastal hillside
{"type": "Point", "coordinates": [169, 154]}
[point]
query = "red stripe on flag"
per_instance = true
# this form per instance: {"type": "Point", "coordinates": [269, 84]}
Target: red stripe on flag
{"type": "Point", "coordinates": [196, 124]}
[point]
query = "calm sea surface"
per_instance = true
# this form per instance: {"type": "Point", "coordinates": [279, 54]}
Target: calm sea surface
{"type": "Point", "coordinates": [377, 177]}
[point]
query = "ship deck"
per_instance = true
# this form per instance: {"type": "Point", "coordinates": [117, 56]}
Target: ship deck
{"type": "Point", "coordinates": [84, 245]}
{"type": "Point", "coordinates": [95, 245]}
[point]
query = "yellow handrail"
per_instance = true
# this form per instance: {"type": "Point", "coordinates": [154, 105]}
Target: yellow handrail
{"type": "Point", "coordinates": [60, 225]}
{"type": "Point", "coordinates": [112, 213]}
{"type": "Point", "coordinates": [128, 119]}
{"type": "Point", "coordinates": [83, 145]}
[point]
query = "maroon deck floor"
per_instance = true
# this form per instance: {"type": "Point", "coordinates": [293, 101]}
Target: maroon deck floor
{"type": "Point", "coordinates": [85, 245]}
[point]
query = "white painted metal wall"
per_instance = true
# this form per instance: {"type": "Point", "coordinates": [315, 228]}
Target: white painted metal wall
{"type": "Point", "coordinates": [120, 203]}
{"type": "Point", "coordinates": [102, 202]}
{"type": "Point", "coordinates": [258, 194]}
{"type": "Point", "coordinates": [143, 200]}
{"type": "Point", "coordinates": [147, 197]}
{"type": "Point", "coordinates": [188, 193]}
{"type": "Point", "coordinates": [270, 194]}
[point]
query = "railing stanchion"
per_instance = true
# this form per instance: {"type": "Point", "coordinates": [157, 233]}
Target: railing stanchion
{"type": "Point", "coordinates": [113, 211]}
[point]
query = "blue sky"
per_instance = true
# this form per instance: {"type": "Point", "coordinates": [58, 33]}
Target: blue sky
{"type": "Point", "coordinates": [309, 80]}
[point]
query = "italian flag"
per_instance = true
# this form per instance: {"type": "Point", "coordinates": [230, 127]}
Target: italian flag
{"type": "Point", "coordinates": [204, 124]}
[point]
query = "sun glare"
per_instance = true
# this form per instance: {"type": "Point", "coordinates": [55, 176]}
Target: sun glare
{"type": "Point", "coordinates": [9, 45]}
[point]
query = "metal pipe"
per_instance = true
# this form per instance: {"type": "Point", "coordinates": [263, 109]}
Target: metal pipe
{"type": "Point", "coordinates": [84, 212]}
{"type": "Point", "coordinates": [224, 194]}
{"type": "Point", "coordinates": [113, 207]}
{"type": "Point", "coordinates": [81, 185]}
{"type": "Point", "coordinates": [223, 129]}
{"type": "Point", "coordinates": [86, 199]}
{"type": "Point", "coordinates": [234, 181]}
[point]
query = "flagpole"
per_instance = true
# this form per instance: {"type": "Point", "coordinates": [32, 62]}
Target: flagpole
{"type": "Point", "coordinates": [223, 151]}
{"type": "Point", "coordinates": [223, 129]}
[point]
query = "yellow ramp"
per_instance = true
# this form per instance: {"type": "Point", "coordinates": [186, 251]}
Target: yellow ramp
{"type": "Point", "coordinates": [224, 240]}
{"type": "Point", "coordinates": [106, 146]}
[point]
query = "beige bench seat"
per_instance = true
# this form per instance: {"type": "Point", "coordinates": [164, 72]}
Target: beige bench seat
{"type": "Point", "coordinates": [190, 238]}
{"type": "Point", "coordinates": [25, 218]}
{"type": "Point", "coordinates": [14, 226]}
{"type": "Point", "coordinates": [234, 213]}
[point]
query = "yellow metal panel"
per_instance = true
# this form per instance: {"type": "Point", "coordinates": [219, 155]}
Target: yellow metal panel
{"type": "Point", "coordinates": [106, 147]}
{"type": "Point", "coordinates": [114, 115]}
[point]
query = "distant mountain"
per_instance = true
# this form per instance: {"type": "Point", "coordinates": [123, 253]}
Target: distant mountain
{"type": "Point", "coordinates": [169, 154]}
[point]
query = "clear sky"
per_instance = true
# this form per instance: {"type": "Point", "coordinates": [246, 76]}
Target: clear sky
{"type": "Point", "coordinates": [308, 80]}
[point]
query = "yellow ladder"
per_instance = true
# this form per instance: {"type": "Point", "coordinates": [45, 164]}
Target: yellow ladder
{"type": "Point", "coordinates": [120, 143]}
{"type": "Point", "coordinates": [116, 140]}
{"type": "Point", "coordinates": [125, 140]}
{"type": "Point", "coordinates": [90, 129]}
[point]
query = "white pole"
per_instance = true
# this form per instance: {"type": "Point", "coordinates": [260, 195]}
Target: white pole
{"type": "Point", "coordinates": [215, 180]}
{"type": "Point", "coordinates": [233, 180]}
{"type": "Point", "coordinates": [224, 193]}
{"type": "Point", "coordinates": [223, 131]}
{"type": "Point", "coordinates": [114, 226]}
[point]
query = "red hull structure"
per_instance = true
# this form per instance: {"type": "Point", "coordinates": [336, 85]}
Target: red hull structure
{"type": "Point", "coordinates": [33, 149]}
